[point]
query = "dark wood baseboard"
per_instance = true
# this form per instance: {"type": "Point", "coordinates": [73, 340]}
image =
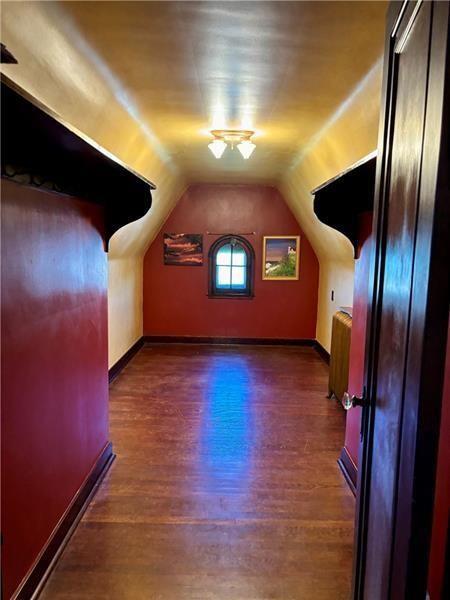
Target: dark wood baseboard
{"type": "Point", "coordinates": [348, 469]}
{"type": "Point", "coordinates": [122, 362]}
{"type": "Point", "coordinates": [36, 577]}
{"type": "Point", "coordinates": [324, 354]}
{"type": "Point", "coordinates": [180, 339]}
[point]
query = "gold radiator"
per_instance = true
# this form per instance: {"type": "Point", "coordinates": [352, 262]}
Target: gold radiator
{"type": "Point", "coordinates": [340, 354]}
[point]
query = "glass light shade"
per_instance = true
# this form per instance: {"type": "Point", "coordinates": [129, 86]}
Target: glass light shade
{"type": "Point", "coordinates": [246, 148]}
{"type": "Point", "coordinates": [217, 147]}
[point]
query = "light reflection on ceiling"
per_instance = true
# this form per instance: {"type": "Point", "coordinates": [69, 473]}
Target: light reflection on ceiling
{"type": "Point", "coordinates": [181, 69]}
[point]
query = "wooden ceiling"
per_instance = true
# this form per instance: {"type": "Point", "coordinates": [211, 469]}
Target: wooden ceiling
{"type": "Point", "coordinates": [183, 68]}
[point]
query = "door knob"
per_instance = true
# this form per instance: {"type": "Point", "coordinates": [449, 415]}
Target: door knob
{"type": "Point", "coordinates": [349, 402]}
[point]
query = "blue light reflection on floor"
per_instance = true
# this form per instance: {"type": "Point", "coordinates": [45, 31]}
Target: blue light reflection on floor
{"type": "Point", "coordinates": [227, 424]}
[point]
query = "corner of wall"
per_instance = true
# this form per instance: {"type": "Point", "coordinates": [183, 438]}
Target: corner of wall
{"type": "Point", "coordinates": [334, 278]}
{"type": "Point", "coordinates": [348, 135]}
{"type": "Point", "coordinates": [126, 257]}
{"type": "Point", "coordinates": [125, 322]}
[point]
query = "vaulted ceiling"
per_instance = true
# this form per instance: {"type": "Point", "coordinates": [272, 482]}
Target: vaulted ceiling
{"type": "Point", "coordinates": [147, 81]}
{"type": "Point", "coordinates": [179, 69]}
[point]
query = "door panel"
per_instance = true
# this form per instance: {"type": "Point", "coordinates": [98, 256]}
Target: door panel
{"type": "Point", "coordinates": [411, 79]}
{"type": "Point", "coordinates": [408, 308]}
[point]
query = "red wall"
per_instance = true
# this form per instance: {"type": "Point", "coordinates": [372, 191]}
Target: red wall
{"type": "Point", "coordinates": [358, 338]}
{"type": "Point", "coordinates": [54, 364]}
{"type": "Point", "coordinates": [175, 298]}
{"type": "Point", "coordinates": [441, 514]}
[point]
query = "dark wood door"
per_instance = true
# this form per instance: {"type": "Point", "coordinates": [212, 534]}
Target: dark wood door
{"type": "Point", "coordinates": [408, 310]}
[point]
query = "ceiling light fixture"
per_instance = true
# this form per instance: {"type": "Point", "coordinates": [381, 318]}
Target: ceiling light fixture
{"type": "Point", "coordinates": [234, 137]}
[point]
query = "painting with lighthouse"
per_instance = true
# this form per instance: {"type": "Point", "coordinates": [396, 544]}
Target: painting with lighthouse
{"type": "Point", "coordinates": [281, 257]}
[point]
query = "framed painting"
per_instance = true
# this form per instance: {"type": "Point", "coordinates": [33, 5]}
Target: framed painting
{"type": "Point", "coordinates": [281, 255]}
{"type": "Point", "coordinates": [183, 249]}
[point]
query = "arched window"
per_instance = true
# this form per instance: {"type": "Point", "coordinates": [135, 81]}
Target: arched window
{"type": "Point", "coordinates": [231, 267]}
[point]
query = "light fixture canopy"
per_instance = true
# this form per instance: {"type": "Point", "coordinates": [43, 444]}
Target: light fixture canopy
{"type": "Point", "coordinates": [234, 137]}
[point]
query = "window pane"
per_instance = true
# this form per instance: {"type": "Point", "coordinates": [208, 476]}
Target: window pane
{"type": "Point", "coordinates": [223, 279]}
{"type": "Point", "coordinates": [239, 256]}
{"type": "Point", "coordinates": [223, 256]}
{"type": "Point", "coordinates": [238, 277]}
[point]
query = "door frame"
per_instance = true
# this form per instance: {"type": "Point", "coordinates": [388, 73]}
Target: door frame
{"type": "Point", "coordinates": [416, 466]}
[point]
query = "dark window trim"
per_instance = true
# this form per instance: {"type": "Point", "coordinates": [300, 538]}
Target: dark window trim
{"type": "Point", "coordinates": [247, 292]}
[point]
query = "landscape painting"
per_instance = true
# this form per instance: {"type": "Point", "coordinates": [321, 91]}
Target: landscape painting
{"type": "Point", "coordinates": [183, 249]}
{"type": "Point", "coordinates": [281, 257]}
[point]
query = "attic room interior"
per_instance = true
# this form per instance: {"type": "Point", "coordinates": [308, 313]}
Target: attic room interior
{"type": "Point", "coordinates": [225, 300]}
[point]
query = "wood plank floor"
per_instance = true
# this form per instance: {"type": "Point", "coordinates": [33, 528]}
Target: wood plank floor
{"type": "Point", "coordinates": [225, 486]}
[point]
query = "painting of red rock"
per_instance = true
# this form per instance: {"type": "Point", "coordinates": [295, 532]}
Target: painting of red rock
{"type": "Point", "coordinates": [183, 249]}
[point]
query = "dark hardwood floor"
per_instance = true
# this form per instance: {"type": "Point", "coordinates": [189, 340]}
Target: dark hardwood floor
{"type": "Point", "coordinates": [225, 486]}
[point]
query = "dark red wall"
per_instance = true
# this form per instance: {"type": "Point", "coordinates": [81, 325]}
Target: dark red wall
{"type": "Point", "coordinates": [358, 338]}
{"type": "Point", "coordinates": [54, 364]}
{"type": "Point", "coordinates": [175, 298]}
{"type": "Point", "coordinates": [441, 514]}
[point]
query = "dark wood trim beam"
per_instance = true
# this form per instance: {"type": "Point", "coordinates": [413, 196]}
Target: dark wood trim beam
{"type": "Point", "coordinates": [38, 149]}
{"type": "Point", "coordinates": [122, 362]}
{"type": "Point", "coordinates": [339, 202]}
{"type": "Point", "coordinates": [35, 579]}
{"type": "Point", "coordinates": [6, 57]}
{"type": "Point", "coordinates": [349, 469]}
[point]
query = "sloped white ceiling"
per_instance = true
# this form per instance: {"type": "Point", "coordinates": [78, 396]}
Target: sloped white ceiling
{"type": "Point", "coordinates": [148, 80]}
